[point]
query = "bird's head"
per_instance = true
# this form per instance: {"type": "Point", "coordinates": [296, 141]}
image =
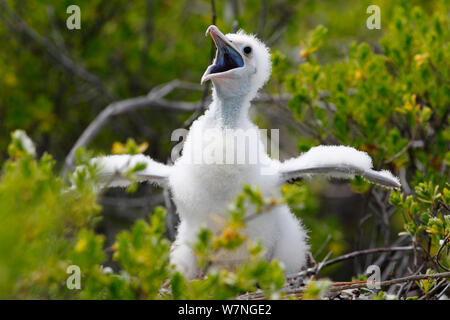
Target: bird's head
{"type": "Point", "coordinates": [241, 66]}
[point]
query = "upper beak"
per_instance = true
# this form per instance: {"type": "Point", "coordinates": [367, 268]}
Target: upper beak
{"type": "Point", "coordinates": [227, 55]}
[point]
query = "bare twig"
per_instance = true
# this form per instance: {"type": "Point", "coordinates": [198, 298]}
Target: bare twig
{"type": "Point", "coordinates": [394, 281]}
{"type": "Point", "coordinates": [443, 291]}
{"type": "Point", "coordinates": [438, 254]}
{"type": "Point", "coordinates": [56, 34]}
{"type": "Point", "coordinates": [410, 283]}
{"type": "Point", "coordinates": [324, 263]}
{"type": "Point", "coordinates": [341, 286]}
{"type": "Point", "coordinates": [442, 204]}
{"type": "Point", "coordinates": [153, 99]}
{"type": "Point", "coordinates": [323, 246]}
{"type": "Point", "coordinates": [366, 251]}
{"type": "Point", "coordinates": [142, 202]}
{"type": "Point", "coordinates": [405, 148]}
{"type": "Point", "coordinates": [385, 226]}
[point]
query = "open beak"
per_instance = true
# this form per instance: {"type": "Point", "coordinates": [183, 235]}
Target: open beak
{"type": "Point", "coordinates": [227, 56]}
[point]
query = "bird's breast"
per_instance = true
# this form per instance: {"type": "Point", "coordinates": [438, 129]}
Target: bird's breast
{"type": "Point", "coordinates": [215, 165]}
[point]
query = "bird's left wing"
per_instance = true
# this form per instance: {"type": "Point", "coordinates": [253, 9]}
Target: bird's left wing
{"type": "Point", "coordinates": [115, 170]}
{"type": "Point", "coordinates": [338, 162]}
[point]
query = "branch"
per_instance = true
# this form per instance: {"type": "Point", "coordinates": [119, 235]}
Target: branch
{"type": "Point", "coordinates": [438, 254]}
{"type": "Point", "coordinates": [64, 60]}
{"type": "Point", "coordinates": [323, 264]}
{"type": "Point", "coordinates": [364, 252]}
{"type": "Point", "coordinates": [153, 99]}
{"type": "Point", "coordinates": [341, 286]}
{"type": "Point", "coordinates": [393, 281]}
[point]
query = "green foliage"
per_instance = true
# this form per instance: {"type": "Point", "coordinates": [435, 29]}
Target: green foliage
{"type": "Point", "coordinates": [380, 295]}
{"type": "Point", "coordinates": [426, 284]}
{"type": "Point", "coordinates": [40, 224]}
{"type": "Point", "coordinates": [143, 254]}
{"type": "Point", "coordinates": [316, 289]}
{"type": "Point", "coordinates": [394, 105]}
{"type": "Point", "coordinates": [130, 147]}
{"type": "Point", "coordinates": [379, 103]}
{"type": "Point", "coordinates": [427, 218]}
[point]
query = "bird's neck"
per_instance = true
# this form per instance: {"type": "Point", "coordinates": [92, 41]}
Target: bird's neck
{"type": "Point", "coordinates": [230, 111]}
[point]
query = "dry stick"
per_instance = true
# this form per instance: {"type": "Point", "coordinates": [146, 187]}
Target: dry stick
{"type": "Point", "coordinates": [384, 216]}
{"type": "Point", "coordinates": [141, 202]}
{"type": "Point", "coordinates": [438, 254]}
{"type": "Point", "coordinates": [443, 291]}
{"type": "Point", "coordinates": [153, 99]}
{"type": "Point", "coordinates": [444, 205]}
{"type": "Point", "coordinates": [338, 287]}
{"type": "Point", "coordinates": [357, 242]}
{"type": "Point", "coordinates": [364, 252]}
{"type": "Point", "coordinates": [410, 283]}
{"type": "Point", "coordinates": [405, 148]}
{"type": "Point", "coordinates": [324, 244]}
{"type": "Point", "coordinates": [394, 281]}
{"type": "Point", "coordinates": [324, 263]}
{"type": "Point", "coordinates": [55, 33]}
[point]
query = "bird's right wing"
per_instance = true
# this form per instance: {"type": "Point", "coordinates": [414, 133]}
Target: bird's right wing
{"type": "Point", "coordinates": [114, 170]}
{"type": "Point", "coordinates": [339, 162]}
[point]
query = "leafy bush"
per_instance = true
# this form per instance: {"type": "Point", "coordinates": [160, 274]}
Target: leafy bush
{"type": "Point", "coordinates": [394, 105]}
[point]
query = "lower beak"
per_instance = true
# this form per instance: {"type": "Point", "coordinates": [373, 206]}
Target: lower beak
{"type": "Point", "coordinates": [227, 56]}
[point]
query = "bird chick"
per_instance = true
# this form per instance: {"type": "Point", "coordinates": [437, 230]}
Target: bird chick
{"type": "Point", "coordinates": [213, 169]}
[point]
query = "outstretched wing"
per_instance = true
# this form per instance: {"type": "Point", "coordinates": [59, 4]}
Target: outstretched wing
{"type": "Point", "coordinates": [113, 170]}
{"type": "Point", "coordinates": [338, 162]}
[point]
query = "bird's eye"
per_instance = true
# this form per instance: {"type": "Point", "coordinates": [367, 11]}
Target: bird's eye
{"type": "Point", "coordinates": [247, 50]}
